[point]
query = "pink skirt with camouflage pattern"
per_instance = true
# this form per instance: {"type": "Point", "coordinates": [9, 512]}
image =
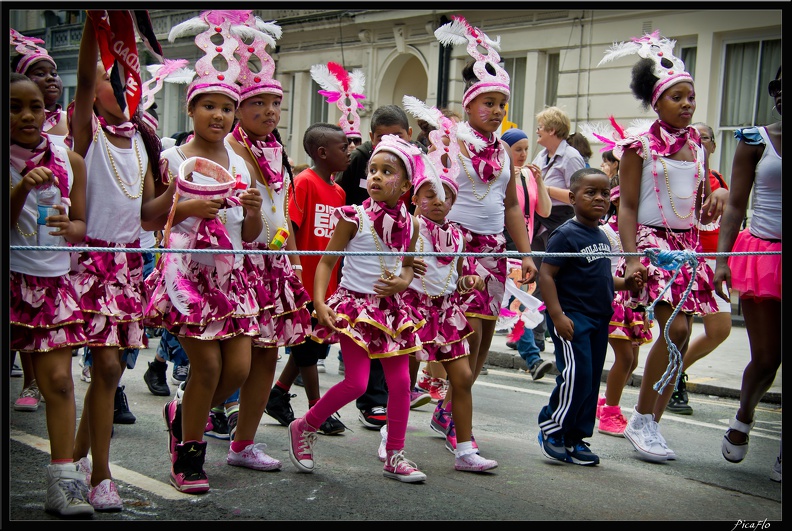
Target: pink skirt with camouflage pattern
{"type": "Point", "coordinates": [700, 301]}
{"type": "Point", "coordinates": [492, 269]}
{"type": "Point", "coordinates": [44, 313]}
{"type": "Point", "coordinates": [382, 326]}
{"type": "Point", "coordinates": [630, 324]}
{"type": "Point", "coordinates": [222, 313]}
{"type": "Point", "coordinates": [284, 319]}
{"type": "Point", "coordinates": [444, 336]}
{"type": "Point", "coordinates": [111, 294]}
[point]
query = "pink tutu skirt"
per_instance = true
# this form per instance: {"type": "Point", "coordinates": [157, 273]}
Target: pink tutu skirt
{"type": "Point", "coordinates": [485, 304]}
{"type": "Point", "coordinates": [700, 300]}
{"type": "Point", "coordinates": [756, 276]}
{"type": "Point", "coordinates": [284, 319]}
{"type": "Point", "coordinates": [630, 324]}
{"type": "Point", "coordinates": [382, 326]}
{"type": "Point", "coordinates": [112, 295]}
{"type": "Point", "coordinates": [221, 313]}
{"type": "Point", "coordinates": [444, 336]}
{"type": "Point", "coordinates": [45, 313]}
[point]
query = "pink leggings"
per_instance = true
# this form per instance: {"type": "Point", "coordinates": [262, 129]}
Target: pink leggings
{"type": "Point", "coordinates": [356, 373]}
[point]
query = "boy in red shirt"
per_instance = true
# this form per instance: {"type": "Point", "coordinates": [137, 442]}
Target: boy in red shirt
{"type": "Point", "coordinates": [311, 205]}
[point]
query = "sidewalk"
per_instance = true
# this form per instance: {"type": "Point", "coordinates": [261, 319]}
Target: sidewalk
{"type": "Point", "coordinates": [718, 374]}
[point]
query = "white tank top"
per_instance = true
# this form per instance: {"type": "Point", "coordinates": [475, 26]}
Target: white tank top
{"type": "Point", "coordinates": [37, 263]}
{"type": "Point", "coordinates": [479, 207]}
{"type": "Point", "coordinates": [766, 219]}
{"type": "Point", "coordinates": [113, 197]}
{"type": "Point", "coordinates": [273, 220]}
{"type": "Point", "coordinates": [438, 279]}
{"type": "Point", "coordinates": [360, 273]}
{"type": "Point", "coordinates": [677, 204]}
{"type": "Point", "coordinates": [231, 217]}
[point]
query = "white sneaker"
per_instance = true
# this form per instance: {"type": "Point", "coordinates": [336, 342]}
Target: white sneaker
{"type": "Point", "coordinates": [775, 473]}
{"type": "Point", "coordinates": [320, 366]}
{"type": "Point", "coordinates": [66, 491]}
{"type": "Point", "coordinates": [642, 433]}
{"type": "Point", "coordinates": [473, 463]}
{"type": "Point", "coordinates": [180, 391]}
{"type": "Point", "coordinates": [670, 455]}
{"type": "Point", "coordinates": [381, 452]}
{"type": "Point", "coordinates": [733, 452]}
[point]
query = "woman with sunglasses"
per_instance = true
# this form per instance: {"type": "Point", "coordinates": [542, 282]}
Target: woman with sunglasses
{"type": "Point", "coordinates": [757, 168]}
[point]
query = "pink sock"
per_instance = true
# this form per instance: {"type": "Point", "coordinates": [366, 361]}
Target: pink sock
{"type": "Point", "coordinates": [238, 446]}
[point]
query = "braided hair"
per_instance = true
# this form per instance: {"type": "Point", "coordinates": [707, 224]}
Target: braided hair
{"type": "Point", "coordinates": [152, 143]}
{"type": "Point", "coordinates": [284, 157]}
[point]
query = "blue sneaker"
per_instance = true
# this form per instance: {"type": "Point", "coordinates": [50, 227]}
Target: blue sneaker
{"type": "Point", "coordinates": [553, 447]}
{"type": "Point", "coordinates": [580, 454]}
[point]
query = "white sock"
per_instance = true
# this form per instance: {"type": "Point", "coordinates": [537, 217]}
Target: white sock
{"type": "Point", "coordinates": [464, 448]}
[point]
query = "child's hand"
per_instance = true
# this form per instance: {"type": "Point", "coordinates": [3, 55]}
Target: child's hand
{"type": "Point", "coordinates": [419, 267]}
{"type": "Point", "coordinates": [565, 328]}
{"type": "Point", "coordinates": [326, 316]}
{"type": "Point", "coordinates": [528, 270]}
{"type": "Point", "coordinates": [205, 208]}
{"type": "Point", "coordinates": [251, 201]}
{"type": "Point", "coordinates": [635, 282]}
{"type": "Point", "coordinates": [389, 287]}
{"type": "Point", "coordinates": [60, 221]}
{"type": "Point", "coordinates": [36, 177]}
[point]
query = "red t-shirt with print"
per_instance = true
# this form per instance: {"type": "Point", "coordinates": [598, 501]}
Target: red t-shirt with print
{"type": "Point", "coordinates": [709, 238]}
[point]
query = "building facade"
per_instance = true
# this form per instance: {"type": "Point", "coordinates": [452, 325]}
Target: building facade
{"type": "Point", "coordinates": [551, 56]}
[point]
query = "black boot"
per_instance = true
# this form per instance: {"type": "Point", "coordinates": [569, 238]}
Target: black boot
{"type": "Point", "coordinates": [156, 378]}
{"type": "Point", "coordinates": [279, 406]}
{"type": "Point", "coordinates": [121, 413]}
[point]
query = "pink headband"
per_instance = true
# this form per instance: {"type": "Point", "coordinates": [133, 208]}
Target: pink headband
{"type": "Point", "coordinates": [409, 154]}
{"type": "Point", "coordinates": [459, 31]}
{"type": "Point", "coordinates": [28, 48]}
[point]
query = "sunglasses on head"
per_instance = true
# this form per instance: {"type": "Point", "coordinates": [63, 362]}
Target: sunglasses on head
{"type": "Point", "coordinates": [774, 87]}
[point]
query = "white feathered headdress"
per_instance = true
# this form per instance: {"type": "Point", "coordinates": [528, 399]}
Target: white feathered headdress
{"type": "Point", "coordinates": [345, 89]}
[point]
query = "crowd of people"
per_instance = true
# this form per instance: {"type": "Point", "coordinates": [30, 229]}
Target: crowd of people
{"type": "Point", "coordinates": [229, 186]}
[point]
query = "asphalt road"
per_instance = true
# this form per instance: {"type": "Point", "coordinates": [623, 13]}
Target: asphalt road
{"type": "Point", "coordinates": [700, 487]}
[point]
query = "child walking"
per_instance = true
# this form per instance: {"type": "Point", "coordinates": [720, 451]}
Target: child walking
{"type": "Point", "coordinates": [122, 178]}
{"type": "Point", "coordinates": [367, 313]}
{"type": "Point", "coordinates": [212, 312]}
{"type": "Point", "coordinates": [284, 319]}
{"type": "Point", "coordinates": [578, 292]}
{"type": "Point", "coordinates": [435, 290]}
{"type": "Point", "coordinates": [487, 200]}
{"type": "Point", "coordinates": [316, 196]}
{"type": "Point", "coordinates": [45, 316]}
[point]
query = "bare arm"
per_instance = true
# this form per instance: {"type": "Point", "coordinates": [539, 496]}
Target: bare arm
{"type": "Point", "coordinates": [343, 233]}
{"type": "Point", "coordinates": [80, 123]}
{"type": "Point", "coordinates": [630, 168]}
{"type": "Point", "coordinates": [514, 219]}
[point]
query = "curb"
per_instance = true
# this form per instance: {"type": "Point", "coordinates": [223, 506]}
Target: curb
{"type": "Point", "coordinates": [508, 360]}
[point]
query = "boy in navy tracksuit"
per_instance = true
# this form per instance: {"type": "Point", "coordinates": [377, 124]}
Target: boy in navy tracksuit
{"type": "Point", "coordinates": [578, 292]}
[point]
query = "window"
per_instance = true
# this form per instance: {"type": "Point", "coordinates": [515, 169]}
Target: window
{"type": "Point", "coordinates": [319, 108]}
{"type": "Point", "coordinates": [748, 68]}
{"type": "Point", "coordinates": [688, 56]}
{"type": "Point", "coordinates": [551, 90]}
{"type": "Point", "coordinates": [515, 67]}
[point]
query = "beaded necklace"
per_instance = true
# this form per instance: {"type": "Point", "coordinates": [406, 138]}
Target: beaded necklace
{"type": "Point", "coordinates": [119, 179]}
{"type": "Point", "coordinates": [386, 273]}
{"type": "Point", "coordinates": [451, 269]}
{"type": "Point", "coordinates": [473, 183]}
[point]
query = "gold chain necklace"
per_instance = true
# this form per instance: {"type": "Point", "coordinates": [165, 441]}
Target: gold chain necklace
{"type": "Point", "coordinates": [447, 281]}
{"type": "Point", "coordinates": [18, 228]}
{"type": "Point", "coordinates": [386, 273]}
{"type": "Point", "coordinates": [472, 182]}
{"type": "Point", "coordinates": [120, 180]}
{"type": "Point", "coordinates": [671, 199]}
{"type": "Point", "coordinates": [286, 210]}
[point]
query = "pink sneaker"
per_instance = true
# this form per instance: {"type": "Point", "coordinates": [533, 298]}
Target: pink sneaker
{"type": "Point", "coordinates": [474, 463]}
{"type": "Point", "coordinates": [29, 398]}
{"type": "Point", "coordinates": [419, 397]}
{"type": "Point", "coordinates": [441, 420]}
{"type": "Point", "coordinates": [424, 381]}
{"type": "Point", "coordinates": [301, 441]}
{"type": "Point", "coordinates": [451, 439]}
{"type": "Point", "coordinates": [253, 456]}
{"type": "Point", "coordinates": [611, 421]}
{"type": "Point", "coordinates": [171, 412]}
{"type": "Point", "coordinates": [84, 467]}
{"type": "Point", "coordinates": [398, 467]}
{"type": "Point", "coordinates": [600, 403]}
{"type": "Point", "coordinates": [104, 497]}
{"type": "Point", "coordinates": [438, 389]}
{"type": "Point", "coordinates": [381, 452]}
{"type": "Point", "coordinates": [187, 473]}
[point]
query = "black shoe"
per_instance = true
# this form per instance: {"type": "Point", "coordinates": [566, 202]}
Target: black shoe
{"type": "Point", "coordinates": [512, 345]}
{"type": "Point", "coordinates": [232, 424]}
{"type": "Point", "coordinates": [373, 418]}
{"type": "Point", "coordinates": [540, 368]}
{"type": "Point", "coordinates": [156, 379]}
{"type": "Point", "coordinates": [679, 400]}
{"type": "Point", "coordinates": [279, 407]}
{"type": "Point", "coordinates": [187, 473]}
{"type": "Point", "coordinates": [333, 425]}
{"type": "Point", "coordinates": [540, 344]}
{"type": "Point", "coordinates": [121, 413]}
{"type": "Point", "coordinates": [217, 425]}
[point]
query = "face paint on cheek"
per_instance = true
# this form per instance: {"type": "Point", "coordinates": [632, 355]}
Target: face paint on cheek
{"type": "Point", "coordinates": [424, 204]}
{"type": "Point", "coordinates": [483, 114]}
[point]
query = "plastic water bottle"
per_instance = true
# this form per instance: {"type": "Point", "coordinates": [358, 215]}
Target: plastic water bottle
{"type": "Point", "coordinates": [47, 198]}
